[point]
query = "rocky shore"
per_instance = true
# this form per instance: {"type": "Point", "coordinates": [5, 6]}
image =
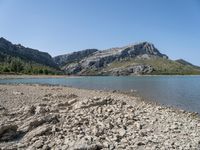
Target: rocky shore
{"type": "Point", "coordinates": [53, 117]}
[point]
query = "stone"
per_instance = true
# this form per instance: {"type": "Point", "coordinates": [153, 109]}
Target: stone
{"type": "Point", "coordinates": [138, 126]}
{"type": "Point", "coordinates": [8, 132]}
{"type": "Point", "coordinates": [104, 101]}
{"type": "Point", "coordinates": [2, 108]}
{"type": "Point", "coordinates": [46, 147]}
{"type": "Point", "coordinates": [22, 145]}
{"type": "Point", "coordinates": [96, 98]}
{"type": "Point", "coordinates": [103, 121]}
{"type": "Point", "coordinates": [174, 127]}
{"type": "Point", "coordinates": [40, 110]}
{"type": "Point", "coordinates": [122, 132]}
{"type": "Point", "coordinates": [38, 144]}
{"type": "Point", "coordinates": [71, 96]}
{"type": "Point", "coordinates": [140, 143]}
{"type": "Point", "coordinates": [62, 104]}
{"type": "Point", "coordinates": [32, 123]}
{"type": "Point", "coordinates": [70, 102]}
{"type": "Point", "coordinates": [41, 130]}
{"type": "Point", "coordinates": [30, 109]}
{"type": "Point", "coordinates": [51, 144]}
{"type": "Point", "coordinates": [18, 93]}
{"type": "Point", "coordinates": [46, 99]}
{"type": "Point", "coordinates": [84, 145]}
{"type": "Point", "coordinates": [105, 144]}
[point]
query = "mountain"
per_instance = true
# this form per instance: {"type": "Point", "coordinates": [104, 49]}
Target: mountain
{"type": "Point", "coordinates": [137, 59]}
{"type": "Point", "coordinates": [17, 58]}
{"type": "Point", "coordinates": [27, 54]}
{"type": "Point", "coordinates": [72, 57]}
{"type": "Point", "coordinates": [184, 62]}
{"type": "Point", "coordinates": [140, 58]}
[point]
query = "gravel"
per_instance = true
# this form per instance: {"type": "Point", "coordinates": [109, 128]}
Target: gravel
{"type": "Point", "coordinates": [55, 117]}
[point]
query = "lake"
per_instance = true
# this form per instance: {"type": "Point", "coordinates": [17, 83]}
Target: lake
{"type": "Point", "coordinates": [178, 91]}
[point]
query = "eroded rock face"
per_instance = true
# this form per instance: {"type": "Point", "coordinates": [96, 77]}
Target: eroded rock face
{"type": "Point", "coordinates": [132, 70]}
{"type": "Point", "coordinates": [75, 56]}
{"type": "Point", "coordinates": [73, 68]}
{"type": "Point", "coordinates": [100, 59]}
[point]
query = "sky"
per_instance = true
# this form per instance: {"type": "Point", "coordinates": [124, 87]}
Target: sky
{"type": "Point", "coordinates": [63, 26]}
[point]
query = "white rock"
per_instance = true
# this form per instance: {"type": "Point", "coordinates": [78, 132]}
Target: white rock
{"type": "Point", "coordinates": [138, 125]}
{"type": "Point", "coordinates": [38, 144]}
{"type": "Point", "coordinates": [122, 132]}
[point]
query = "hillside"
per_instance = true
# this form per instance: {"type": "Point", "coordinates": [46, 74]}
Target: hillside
{"type": "Point", "coordinates": [75, 56]}
{"type": "Point", "coordinates": [140, 58]}
{"type": "Point", "coordinates": [19, 59]}
{"type": "Point", "coordinates": [137, 59]}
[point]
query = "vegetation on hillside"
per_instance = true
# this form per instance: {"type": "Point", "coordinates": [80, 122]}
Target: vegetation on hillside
{"type": "Point", "coordinates": [17, 59]}
{"type": "Point", "coordinates": [15, 65]}
{"type": "Point", "coordinates": [161, 66]}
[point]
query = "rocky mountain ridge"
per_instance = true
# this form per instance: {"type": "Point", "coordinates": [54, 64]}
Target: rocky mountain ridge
{"type": "Point", "coordinates": [96, 60]}
{"type": "Point", "coordinates": [184, 62]}
{"type": "Point", "coordinates": [75, 56]}
{"type": "Point", "coordinates": [136, 59]}
{"type": "Point", "coordinates": [7, 49]}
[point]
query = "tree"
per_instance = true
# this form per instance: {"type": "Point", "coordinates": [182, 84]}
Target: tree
{"type": "Point", "coordinates": [5, 69]}
{"type": "Point", "coordinates": [46, 71]}
{"type": "Point", "coordinates": [16, 65]}
{"type": "Point", "coordinates": [40, 71]}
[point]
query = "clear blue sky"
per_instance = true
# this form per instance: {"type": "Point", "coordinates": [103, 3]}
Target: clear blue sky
{"type": "Point", "coordinates": [63, 26]}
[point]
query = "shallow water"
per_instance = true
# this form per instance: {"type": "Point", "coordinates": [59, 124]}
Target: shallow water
{"type": "Point", "coordinates": [178, 91]}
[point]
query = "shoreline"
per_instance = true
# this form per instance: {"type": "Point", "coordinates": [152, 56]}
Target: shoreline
{"type": "Point", "coordinates": [133, 94]}
{"type": "Point", "coordinates": [46, 116]}
{"type": "Point", "coordinates": [35, 76]}
{"type": "Point", "coordinates": [3, 76]}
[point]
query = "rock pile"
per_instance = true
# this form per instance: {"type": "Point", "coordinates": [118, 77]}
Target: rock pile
{"type": "Point", "coordinates": [81, 123]}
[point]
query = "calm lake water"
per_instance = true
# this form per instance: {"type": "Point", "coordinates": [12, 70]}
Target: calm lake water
{"type": "Point", "coordinates": [177, 91]}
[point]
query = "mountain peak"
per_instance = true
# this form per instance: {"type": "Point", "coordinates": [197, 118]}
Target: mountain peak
{"type": "Point", "coordinates": [145, 44]}
{"type": "Point", "coordinates": [2, 39]}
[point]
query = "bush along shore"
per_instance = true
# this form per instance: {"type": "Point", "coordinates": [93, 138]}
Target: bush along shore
{"type": "Point", "coordinates": [53, 117]}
